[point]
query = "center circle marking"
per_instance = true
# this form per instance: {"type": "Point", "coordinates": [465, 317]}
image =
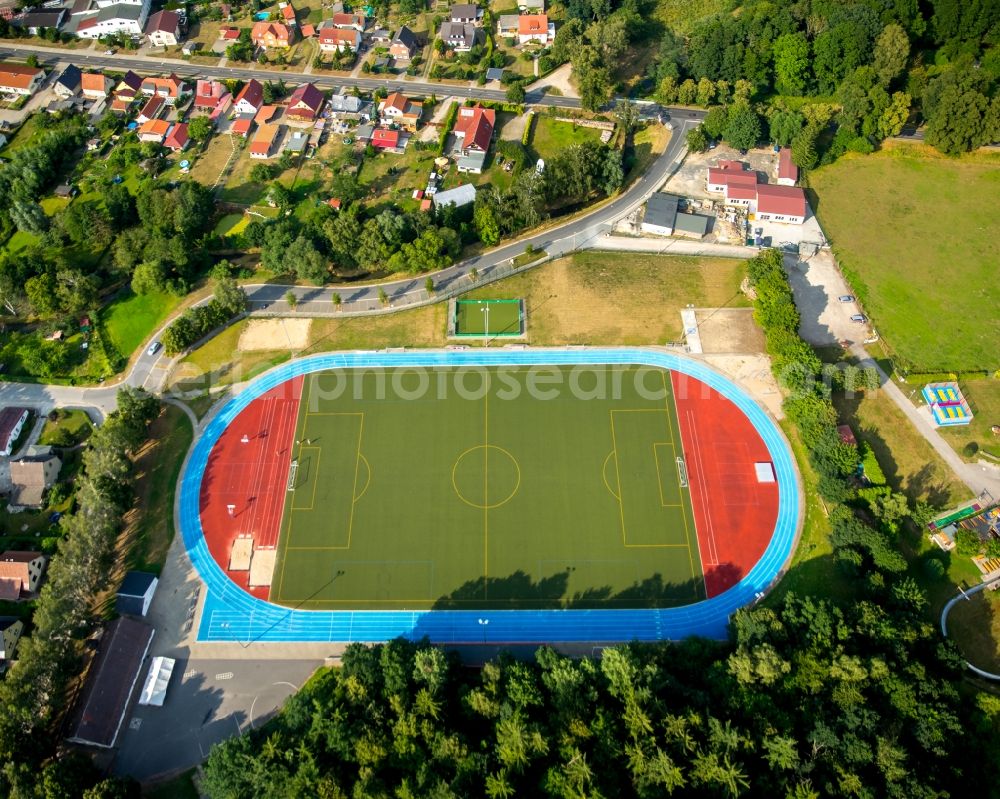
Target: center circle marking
{"type": "Point", "coordinates": [486, 492]}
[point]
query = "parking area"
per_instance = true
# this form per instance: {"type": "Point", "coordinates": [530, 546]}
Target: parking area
{"type": "Point", "coordinates": [818, 286]}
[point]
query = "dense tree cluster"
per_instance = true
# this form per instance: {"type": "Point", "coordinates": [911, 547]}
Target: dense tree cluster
{"type": "Point", "coordinates": [809, 700]}
{"type": "Point", "coordinates": [197, 322]}
{"type": "Point", "coordinates": [33, 692]}
{"type": "Point", "coordinates": [864, 55]}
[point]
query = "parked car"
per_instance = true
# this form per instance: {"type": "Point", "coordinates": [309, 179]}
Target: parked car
{"type": "Point", "coordinates": [109, 52]}
{"type": "Point", "coordinates": [859, 317]}
{"type": "Point", "coordinates": [846, 298]}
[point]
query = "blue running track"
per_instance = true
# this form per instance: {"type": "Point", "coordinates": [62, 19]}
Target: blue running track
{"type": "Point", "coordinates": [231, 614]}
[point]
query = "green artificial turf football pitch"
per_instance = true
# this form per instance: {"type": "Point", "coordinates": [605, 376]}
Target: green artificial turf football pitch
{"type": "Point", "coordinates": [504, 317]}
{"type": "Point", "coordinates": [487, 488]}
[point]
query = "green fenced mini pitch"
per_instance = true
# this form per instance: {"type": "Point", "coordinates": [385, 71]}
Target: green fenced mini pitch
{"type": "Point", "coordinates": [505, 318]}
{"type": "Point", "coordinates": [502, 487]}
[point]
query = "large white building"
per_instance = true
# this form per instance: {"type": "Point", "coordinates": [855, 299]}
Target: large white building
{"type": "Point", "coordinates": [128, 17]}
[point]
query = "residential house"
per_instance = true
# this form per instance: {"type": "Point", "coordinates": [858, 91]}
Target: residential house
{"type": "Point", "coordinates": [345, 105]}
{"type": "Point", "coordinates": [127, 18]}
{"type": "Point", "coordinates": [402, 110]}
{"type": "Point", "coordinates": [270, 35]}
{"type": "Point", "coordinates": [535, 28]}
{"type": "Point", "coordinates": [288, 14]}
{"type": "Point", "coordinates": [135, 595]}
{"type": "Point", "coordinates": [507, 26]}
{"type": "Point", "coordinates": [35, 21]}
{"type": "Point", "coordinates": [770, 203]}
{"type": "Point", "coordinates": [352, 21]}
{"type": "Point", "coordinates": [381, 37]}
{"type": "Point", "coordinates": [228, 34]}
{"type": "Point", "coordinates": [404, 45]}
{"type": "Point", "coordinates": [20, 573]}
{"type": "Point", "coordinates": [692, 226]}
{"type": "Point", "coordinates": [242, 126]}
{"type": "Point", "coordinates": [474, 129]}
{"type": "Point", "coordinates": [125, 92]}
{"type": "Point", "coordinates": [661, 209]}
{"type": "Point", "coordinates": [338, 39]}
{"type": "Point", "coordinates": [308, 31]}
{"type": "Point", "coordinates": [458, 36]}
{"type": "Point", "coordinates": [94, 85]}
{"type": "Point", "coordinates": [177, 139]}
{"type": "Point", "coordinates": [152, 109]}
{"type": "Point", "coordinates": [266, 114]}
{"type": "Point", "coordinates": [155, 131]}
{"type": "Point", "coordinates": [8, 8]}
{"type": "Point", "coordinates": [208, 94]}
{"type": "Point", "coordinates": [164, 29]}
{"type": "Point", "coordinates": [10, 633]}
{"type": "Point", "coordinates": [465, 13]}
{"type": "Point", "coordinates": [33, 475]}
{"type": "Point", "coordinates": [171, 88]}
{"type": "Point", "coordinates": [11, 423]}
{"type": "Point", "coordinates": [67, 83]}
{"type": "Point", "coordinates": [459, 196]}
{"type": "Point", "coordinates": [250, 98]}
{"type": "Point", "coordinates": [20, 79]}
{"type": "Point", "coordinates": [296, 142]}
{"type": "Point", "coordinates": [305, 103]}
{"type": "Point", "coordinates": [787, 172]}
{"type": "Point", "coordinates": [385, 139]}
{"type": "Point", "coordinates": [263, 144]}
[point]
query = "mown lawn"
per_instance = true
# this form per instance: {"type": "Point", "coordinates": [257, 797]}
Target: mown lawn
{"type": "Point", "coordinates": [71, 427]}
{"type": "Point", "coordinates": [920, 251]}
{"type": "Point", "coordinates": [129, 321]}
{"type": "Point", "coordinates": [549, 137]}
{"type": "Point", "coordinates": [984, 397]}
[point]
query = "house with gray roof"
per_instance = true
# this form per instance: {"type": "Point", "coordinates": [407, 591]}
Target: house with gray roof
{"type": "Point", "coordinates": [462, 195]}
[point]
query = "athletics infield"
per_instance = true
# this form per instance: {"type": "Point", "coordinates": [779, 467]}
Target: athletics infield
{"type": "Point", "coordinates": [506, 495]}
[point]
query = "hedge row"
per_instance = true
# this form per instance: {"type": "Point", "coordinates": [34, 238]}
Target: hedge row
{"type": "Point", "coordinates": [526, 136]}
{"type": "Point", "coordinates": [449, 123]}
{"type": "Point", "coordinates": [195, 323]}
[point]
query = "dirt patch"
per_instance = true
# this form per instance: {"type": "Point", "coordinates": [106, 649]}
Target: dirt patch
{"type": "Point", "coordinates": [559, 79]}
{"type": "Point", "coordinates": [269, 334]}
{"type": "Point", "coordinates": [753, 374]}
{"type": "Point", "coordinates": [729, 330]}
{"type": "Point", "coordinates": [513, 129]}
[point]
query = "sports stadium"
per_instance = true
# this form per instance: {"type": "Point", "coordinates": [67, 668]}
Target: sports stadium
{"type": "Point", "coordinates": [512, 495]}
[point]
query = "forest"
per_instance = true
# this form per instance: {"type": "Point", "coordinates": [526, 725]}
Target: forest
{"type": "Point", "coordinates": [849, 72]}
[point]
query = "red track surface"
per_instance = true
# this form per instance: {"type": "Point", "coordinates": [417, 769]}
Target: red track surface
{"type": "Point", "coordinates": [253, 476]}
{"type": "Point", "coordinates": [734, 514]}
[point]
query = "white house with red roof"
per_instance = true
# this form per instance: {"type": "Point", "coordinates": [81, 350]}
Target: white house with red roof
{"type": "Point", "coordinates": [250, 98]}
{"type": "Point", "coordinates": [788, 173]}
{"type": "Point", "coordinates": [207, 94]}
{"type": "Point", "coordinates": [332, 39]}
{"type": "Point", "coordinates": [94, 85]}
{"type": "Point", "coordinates": [354, 21]}
{"type": "Point", "coordinates": [170, 88]}
{"type": "Point", "coordinates": [770, 202]}
{"type": "Point", "coordinates": [385, 139]}
{"type": "Point", "coordinates": [535, 28]}
{"type": "Point", "coordinates": [474, 129]}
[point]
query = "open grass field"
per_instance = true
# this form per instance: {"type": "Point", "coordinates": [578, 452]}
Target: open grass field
{"type": "Point", "coordinates": [549, 137]}
{"type": "Point", "coordinates": [413, 495]}
{"type": "Point", "coordinates": [131, 320]}
{"type": "Point", "coordinates": [503, 316]}
{"type": "Point", "coordinates": [920, 251]}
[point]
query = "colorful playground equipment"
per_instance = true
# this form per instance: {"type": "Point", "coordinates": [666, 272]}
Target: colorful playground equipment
{"type": "Point", "coordinates": [948, 406]}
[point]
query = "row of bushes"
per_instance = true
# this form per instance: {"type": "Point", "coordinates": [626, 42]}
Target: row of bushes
{"type": "Point", "coordinates": [196, 323]}
{"type": "Point", "coordinates": [499, 105]}
{"type": "Point", "coordinates": [33, 693]}
{"type": "Point", "coordinates": [923, 378]}
{"type": "Point", "coordinates": [528, 127]}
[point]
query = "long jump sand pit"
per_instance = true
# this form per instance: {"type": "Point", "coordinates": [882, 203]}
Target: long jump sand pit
{"type": "Point", "coordinates": [275, 334]}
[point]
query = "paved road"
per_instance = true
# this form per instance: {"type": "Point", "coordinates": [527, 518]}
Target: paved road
{"type": "Point", "coordinates": [49, 56]}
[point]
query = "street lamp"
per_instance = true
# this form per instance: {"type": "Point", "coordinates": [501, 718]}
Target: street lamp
{"type": "Point", "coordinates": [483, 623]}
{"type": "Point", "coordinates": [486, 326]}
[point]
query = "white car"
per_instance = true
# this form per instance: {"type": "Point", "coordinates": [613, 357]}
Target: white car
{"type": "Point", "coordinates": [109, 52]}
{"type": "Point", "coordinates": [153, 348]}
